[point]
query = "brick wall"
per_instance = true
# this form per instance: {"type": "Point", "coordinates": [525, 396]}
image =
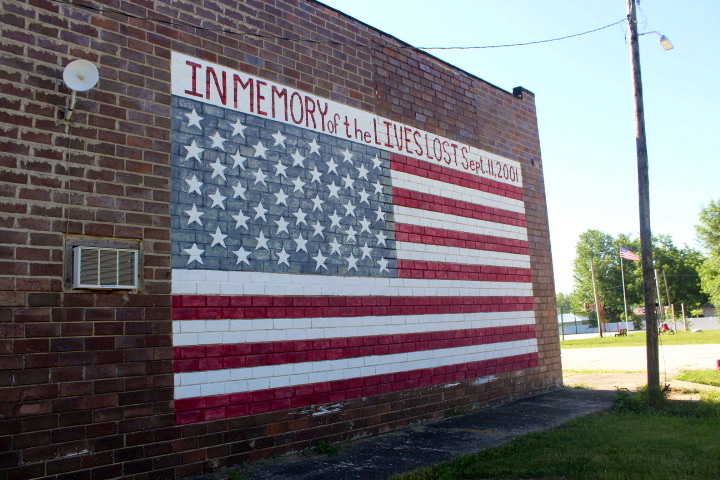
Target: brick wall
{"type": "Point", "coordinates": [87, 376]}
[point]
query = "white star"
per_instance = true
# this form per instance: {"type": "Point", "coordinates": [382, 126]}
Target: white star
{"type": "Point", "coordinates": [335, 219]}
{"type": "Point", "coordinates": [238, 128]}
{"type": "Point", "coordinates": [260, 177]}
{"type": "Point", "coordinates": [349, 209]}
{"type": "Point", "coordinates": [279, 138]}
{"type": "Point", "coordinates": [347, 156]}
{"type": "Point", "coordinates": [314, 147]}
{"type": "Point", "coordinates": [280, 170]}
{"type": "Point", "coordinates": [217, 199]}
{"type": "Point", "coordinates": [300, 215]}
{"type": "Point", "coordinates": [315, 175]}
{"type": "Point", "coordinates": [241, 220]}
{"type": "Point", "coordinates": [364, 196]}
{"type": "Point", "coordinates": [318, 229]}
{"type": "Point", "coordinates": [194, 253]}
{"type": "Point", "coordinates": [242, 255]}
{"type": "Point", "coordinates": [282, 225]}
{"type": "Point", "coordinates": [362, 172]}
{"type": "Point", "coordinates": [365, 225]}
{"type": "Point", "coordinates": [380, 214]}
{"type": "Point", "coordinates": [334, 190]}
{"type": "Point", "coordinates": [262, 241]}
{"type": "Point", "coordinates": [193, 119]}
{"type": "Point", "coordinates": [352, 262]}
{"type": "Point", "coordinates": [332, 166]}
{"type": "Point", "coordinates": [238, 160]}
{"type": "Point", "coordinates": [351, 234]}
{"type": "Point", "coordinates": [218, 238]}
{"type": "Point", "coordinates": [301, 243]}
{"type": "Point", "coordinates": [193, 151]}
{"type": "Point", "coordinates": [260, 211]}
{"type": "Point", "coordinates": [383, 264]}
{"type": "Point", "coordinates": [317, 203]}
{"type": "Point", "coordinates": [281, 198]}
{"type": "Point", "coordinates": [297, 158]}
{"type": "Point", "coordinates": [299, 184]}
{"type": "Point", "coordinates": [378, 187]}
{"type": "Point", "coordinates": [283, 257]}
{"type": "Point", "coordinates": [194, 185]}
{"type": "Point", "coordinates": [194, 215]}
{"type": "Point", "coordinates": [366, 251]}
{"type": "Point", "coordinates": [348, 181]}
{"type": "Point", "coordinates": [218, 169]}
{"type": "Point", "coordinates": [377, 163]}
{"type": "Point", "coordinates": [381, 238]}
{"type": "Point", "coordinates": [335, 247]}
{"type": "Point", "coordinates": [320, 259]}
{"type": "Point", "coordinates": [260, 150]}
{"type": "Point", "coordinates": [238, 190]}
{"type": "Point", "coordinates": [217, 141]}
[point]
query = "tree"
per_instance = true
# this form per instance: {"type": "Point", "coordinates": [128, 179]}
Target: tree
{"type": "Point", "coordinates": [679, 265]}
{"type": "Point", "coordinates": [564, 303]}
{"type": "Point", "coordinates": [603, 250]}
{"type": "Point", "coordinates": [708, 234]}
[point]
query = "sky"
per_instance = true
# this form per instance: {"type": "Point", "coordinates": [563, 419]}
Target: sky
{"type": "Point", "coordinates": [584, 98]}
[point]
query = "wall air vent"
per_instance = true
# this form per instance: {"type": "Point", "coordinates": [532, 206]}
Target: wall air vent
{"type": "Point", "coordinates": [105, 268]}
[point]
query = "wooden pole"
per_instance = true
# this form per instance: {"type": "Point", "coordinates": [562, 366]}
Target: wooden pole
{"type": "Point", "coordinates": [682, 306]}
{"type": "Point", "coordinates": [597, 303]}
{"type": "Point", "coordinates": [671, 305]}
{"type": "Point", "coordinates": [653, 364]}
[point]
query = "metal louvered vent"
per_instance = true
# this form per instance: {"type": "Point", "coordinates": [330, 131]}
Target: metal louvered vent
{"type": "Point", "coordinates": [105, 268]}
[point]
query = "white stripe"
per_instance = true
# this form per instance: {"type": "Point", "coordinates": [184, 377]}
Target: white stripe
{"type": "Point", "coordinates": [440, 253]}
{"type": "Point", "coordinates": [218, 282]}
{"type": "Point", "coordinates": [427, 218]}
{"type": "Point", "coordinates": [190, 332]}
{"type": "Point", "coordinates": [456, 192]}
{"type": "Point", "coordinates": [236, 380]}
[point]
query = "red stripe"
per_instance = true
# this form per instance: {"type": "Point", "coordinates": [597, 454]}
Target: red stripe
{"type": "Point", "coordinates": [450, 206]}
{"type": "Point", "coordinates": [440, 173]}
{"type": "Point", "coordinates": [211, 307]}
{"type": "Point", "coordinates": [200, 409]}
{"type": "Point", "coordinates": [461, 271]}
{"type": "Point", "coordinates": [452, 238]}
{"type": "Point", "coordinates": [219, 357]}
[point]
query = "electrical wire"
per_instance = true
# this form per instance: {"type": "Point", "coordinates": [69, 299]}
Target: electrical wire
{"type": "Point", "coordinates": [106, 10]}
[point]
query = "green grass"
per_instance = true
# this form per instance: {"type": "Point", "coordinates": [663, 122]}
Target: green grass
{"type": "Point", "coordinates": [705, 377]}
{"type": "Point", "coordinates": [676, 442]}
{"type": "Point", "coordinates": [327, 448]}
{"type": "Point", "coordinates": [572, 372]}
{"type": "Point", "coordinates": [638, 340]}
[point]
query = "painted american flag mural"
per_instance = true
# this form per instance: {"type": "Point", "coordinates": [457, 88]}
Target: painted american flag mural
{"type": "Point", "coordinates": [309, 268]}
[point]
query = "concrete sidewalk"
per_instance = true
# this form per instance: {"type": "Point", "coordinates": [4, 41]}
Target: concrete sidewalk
{"type": "Point", "coordinates": [426, 445]}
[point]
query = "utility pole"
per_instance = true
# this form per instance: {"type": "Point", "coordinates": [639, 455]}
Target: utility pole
{"type": "Point", "coordinates": [597, 303]}
{"type": "Point", "coordinates": [653, 366]}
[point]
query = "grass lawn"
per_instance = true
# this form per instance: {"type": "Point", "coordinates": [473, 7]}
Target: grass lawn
{"type": "Point", "coordinates": [638, 340]}
{"type": "Point", "coordinates": [679, 441]}
{"type": "Point", "coordinates": [705, 377]}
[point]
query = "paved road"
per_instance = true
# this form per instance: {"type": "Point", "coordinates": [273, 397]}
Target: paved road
{"type": "Point", "coordinates": [673, 358]}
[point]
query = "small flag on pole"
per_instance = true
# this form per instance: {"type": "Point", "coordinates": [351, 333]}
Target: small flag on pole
{"type": "Point", "coordinates": [628, 255]}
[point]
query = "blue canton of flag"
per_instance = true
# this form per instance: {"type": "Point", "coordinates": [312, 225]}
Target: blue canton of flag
{"type": "Point", "coordinates": [258, 195]}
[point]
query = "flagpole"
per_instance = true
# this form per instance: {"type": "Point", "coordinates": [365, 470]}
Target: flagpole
{"type": "Point", "coordinates": [622, 273]}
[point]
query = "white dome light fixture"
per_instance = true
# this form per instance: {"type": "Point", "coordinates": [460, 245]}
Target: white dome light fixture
{"type": "Point", "coordinates": [79, 76]}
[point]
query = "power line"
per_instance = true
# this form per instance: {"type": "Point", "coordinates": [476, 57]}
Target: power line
{"type": "Point", "coordinates": [106, 10]}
